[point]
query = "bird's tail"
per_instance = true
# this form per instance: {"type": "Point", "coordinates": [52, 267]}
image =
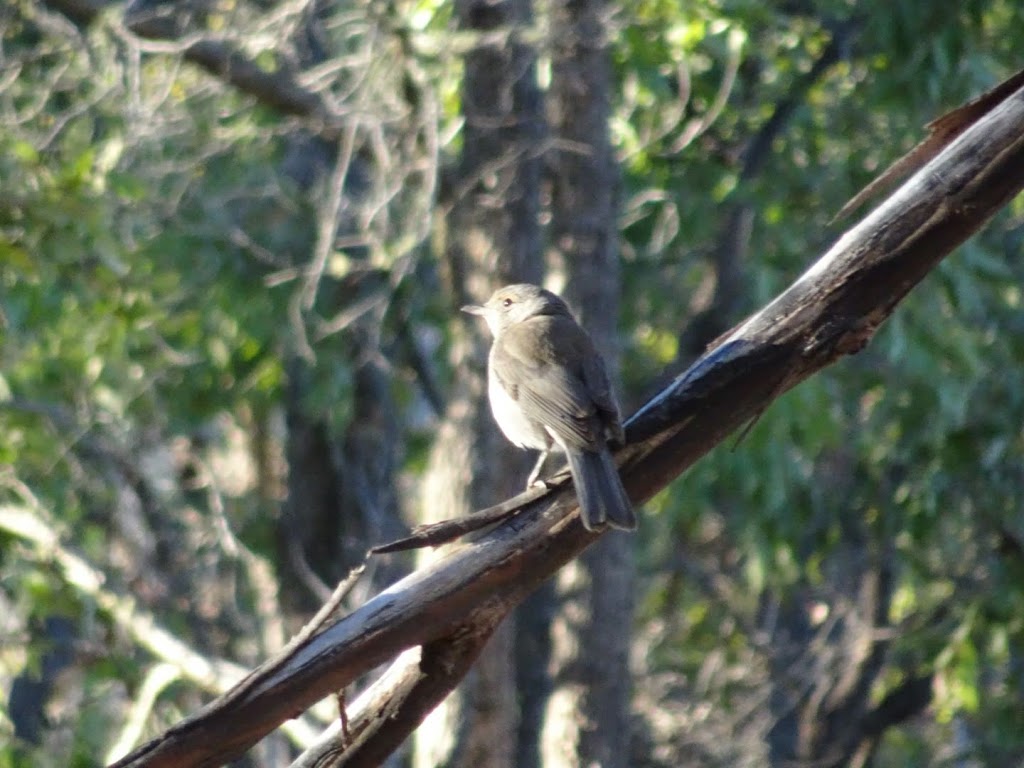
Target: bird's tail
{"type": "Point", "coordinates": [603, 500]}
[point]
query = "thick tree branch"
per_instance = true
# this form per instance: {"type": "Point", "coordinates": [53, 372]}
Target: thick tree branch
{"type": "Point", "coordinates": [941, 131]}
{"type": "Point", "coordinates": [383, 717]}
{"type": "Point", "coordinates": [832, 310]}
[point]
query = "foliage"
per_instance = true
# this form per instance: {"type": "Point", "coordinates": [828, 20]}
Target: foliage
{"type": "Point", "coordinates": [159, 234]}
{"type": "Point", "coordinates": [909, 439]}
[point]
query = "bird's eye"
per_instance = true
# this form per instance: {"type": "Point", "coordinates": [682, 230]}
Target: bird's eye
{"type": "Point", "coordinates": [506, 302]}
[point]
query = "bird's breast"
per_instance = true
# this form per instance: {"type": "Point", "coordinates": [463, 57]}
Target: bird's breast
{"type": "Point", "coordinates": [518, 428]}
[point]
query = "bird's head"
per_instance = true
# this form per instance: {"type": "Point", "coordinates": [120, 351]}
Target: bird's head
{"type": "Point", "coordinates": [516, 303]}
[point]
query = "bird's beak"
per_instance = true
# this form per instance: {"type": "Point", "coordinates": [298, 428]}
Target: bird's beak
{"type": "Point", "coordinates": [475, 309]}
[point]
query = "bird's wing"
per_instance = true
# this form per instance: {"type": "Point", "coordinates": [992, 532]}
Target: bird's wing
{"type": "Point", "coordinates": [595, 377]}
{"type": "Point", "coordinates": [530, 364]}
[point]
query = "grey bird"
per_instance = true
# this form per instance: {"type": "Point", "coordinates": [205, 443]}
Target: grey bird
{"type": "Point", "coordinates": [548, 390]}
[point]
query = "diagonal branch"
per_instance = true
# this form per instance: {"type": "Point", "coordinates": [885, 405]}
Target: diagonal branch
{"type": "Point", "coordinates": [36, 528]}
{"type": "Point", "coordinates": [832, 310]}
{"type": "Point", "coordinates": [382, 718]}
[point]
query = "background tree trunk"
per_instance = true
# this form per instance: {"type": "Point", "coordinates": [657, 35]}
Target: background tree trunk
{"type": "Point", "coordinates": [493, 239]}
{"type": "Point", "coordinates": [587, 719]}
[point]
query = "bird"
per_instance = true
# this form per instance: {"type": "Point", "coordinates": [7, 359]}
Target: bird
{"type": "Point", "coordinates": [549, 390]}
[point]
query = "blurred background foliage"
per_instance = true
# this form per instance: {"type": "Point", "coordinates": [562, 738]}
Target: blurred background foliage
{"type": "Point", "coordinates": [158, 231]}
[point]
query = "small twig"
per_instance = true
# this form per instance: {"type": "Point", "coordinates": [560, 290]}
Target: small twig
{"type": "Point", "coordinates": [257, 569]}
{"type": "Point", "coordinates": [309, 578]}
{"type": "Point", "coordinates": [435, 534]}
{"type": "Point", "coordinates": [343, 717]}
{"type": "Point", "coordinates": [158, 677]}
{"type": "Point", "coordinates": [695, 128]}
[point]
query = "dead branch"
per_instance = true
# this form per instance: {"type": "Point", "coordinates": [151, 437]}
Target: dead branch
{"type": "Point", "coordinates": [832, 310]}
{"type": "Point", "coordinates": [277, 90]}
{"type": "Point", "coordinates": [380, 720]}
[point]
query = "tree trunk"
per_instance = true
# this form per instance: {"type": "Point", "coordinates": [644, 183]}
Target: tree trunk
{"type": "Point", "coordinates": [494, 238]}
{"type": "Point", "coordinates": [826, 658]}
{"type": "Point", "coordinates": [588, 714]}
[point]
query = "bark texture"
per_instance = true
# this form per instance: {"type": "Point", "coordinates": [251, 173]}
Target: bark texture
{"type": "Point", "coordinates": [493, 238]}
{"type": "Point", "coordinates": [587, 716]}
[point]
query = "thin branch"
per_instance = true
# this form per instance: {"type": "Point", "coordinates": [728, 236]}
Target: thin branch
{"type": "Point", "coordinates": [327, 218]}
{"type": "Point", "coordinates": [941, 132]}
{"type": "Point", "coordinates": [31, 524]}
{"type": "Point", "coordinates": [258, 570]}
{"type": "Point", "coordinates": [698, 126]}
{"type": "Point", "coordinates": [277, 90]}
{"type": "Point", "coordinates": [733, 240]}
{"type": "Point", "coordinates": [158, 677]}
{"type": "Point", "coordinates": [446, 531]}
{"type": "Point", "coordinates": [308, 631]}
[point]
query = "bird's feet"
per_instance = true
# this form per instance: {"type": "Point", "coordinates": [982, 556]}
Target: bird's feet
{"type": "Point", "coordinates": [535, 472]}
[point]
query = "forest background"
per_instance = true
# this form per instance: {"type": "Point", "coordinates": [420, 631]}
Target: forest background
{"type": "Point", "coordinates": [233, 239]}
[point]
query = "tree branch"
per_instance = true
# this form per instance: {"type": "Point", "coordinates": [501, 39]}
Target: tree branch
{"type": "Point", "coordinates": [832, 310]}
{"type": "Point", "coordinates": [384, 716]}
{"type": "Point", "coordinates": [277, 90]}
{"type": "Point", "coordinates": [210, 674]}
